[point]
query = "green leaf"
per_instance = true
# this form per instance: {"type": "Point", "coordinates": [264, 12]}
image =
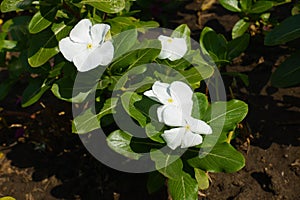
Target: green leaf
{"type": "Point", "coordinates": [185, 188]}
{"type": "Point", "coordinates": [214, 44]}
{"type": "Point", "coordinates": [288, 30]}
{"type": "Point", "coordinates": [243, 77]}
{"type": "Point", "coordinates": [237, 46]}
{"type": "Point", "coordinates": [222, 158]}
{"type": "Point", "coordinates": [7, 44]}
{"type": "Point", "coordinates": [202, 179]}
{"type": "Point", "coordinates": [40, 21]}
{"type": "Point", "coordinates": [261, 6]}
{"type": "Point", "coordinates": [7, 198]}
{"type": "Point", "coordinates": [36, 88]}
{"type": "Point", "coordinates": [226, 114]}
{"type": "Point", "coordinates": [240, 28]}
{"type": "Point", "coordinates": [232, 5]}
{"type": "Point", "coordinates": [128, 100]}
{"type": "Point", "coordinates": [85, 122]}
{"type": "Point", "coordinates": [5, 88]}
{"type": "Point", "coordinates": [88, 121]}
{"type": "Point", "coordinates": [154, 131]}
{"type": "Point", "coordinates": [288, 73]}
{"type": "Point", "coordinates": [119, 141]}
{"type": "Point", "coordinates": [143, 53]}
{"type": "Point", "coordinates": [111, 6]}
{"type": "Point", "coordinates": [42, 47]}
{"type": "Point", "coordinates": [124, 41]}
{"type": "Point", "coordinates": [168, 165]}
{"type": "Point", "coordinates": [200, 105]}
{"type": "Point", "coordinates": [10, 5]}
{"type": "Point", "coordinates": [246, 5]}
{"type": "Point", "coordinates": [155, 182]}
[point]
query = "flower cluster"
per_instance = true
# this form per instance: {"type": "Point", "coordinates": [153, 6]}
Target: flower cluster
{"type": "Point", "coordinates": [176, 111]}
{"type": "Point", "coordinates": [88, 48]}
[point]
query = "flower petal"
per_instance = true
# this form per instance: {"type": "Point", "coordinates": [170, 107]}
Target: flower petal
{"type": "Point", "coordinates": [190, 139]}
{"type": "Point", "coordinates": [98, 32]}
{"type": "Point", "coordinates": [151, 95]}
{"type": "Point", "coordinates": [199, 126]}
{"type": "Point", "coordinates": [70, 49]}
{"type": "Point", "coordinates": [161, 91]}
{"type": "Point", "coordinates": [159, 111]}
{"type": "Point", "coordinates": [182, 94]}
{"type": "Point", "coordinates": [173, 137]}
{"type": "Point", "coordinates": [80, 61]}
{"type": "Point", "coordinates": [172, 48]}
{"type": "Point", "coordinates": [102, 55]}
{"type": "Point", "coordinates": [178, 48]}
{"type": "Point", "coordinates": [81, 32]}
{"type": "Point", "coordinates": [172, 116]}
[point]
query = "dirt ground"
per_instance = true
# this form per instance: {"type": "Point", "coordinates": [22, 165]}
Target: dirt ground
{"type": "Point", "coordinates": [41, 159]}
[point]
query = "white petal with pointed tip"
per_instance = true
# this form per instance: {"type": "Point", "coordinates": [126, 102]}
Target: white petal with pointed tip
{"type": "Point", "coordinates": [70, 49]}
{"type": "Point", "coordinates": [199, 126]}
{"type": "Point", "coordinates": [172, 116]}
{"type": "Point", "coordinates": [98, 32]}
{"type": "Point", "coordinates": [173, 137]}
{"type": "Point", "coordinates": [190, 139]}
{"type": "Point", "coordinates": [160, 90]}
{"type": "Point", "coordinates": [81, 32]}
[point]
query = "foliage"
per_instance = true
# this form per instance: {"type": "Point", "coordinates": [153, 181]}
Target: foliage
{"type": "Point", "coordinates": [118, 87]}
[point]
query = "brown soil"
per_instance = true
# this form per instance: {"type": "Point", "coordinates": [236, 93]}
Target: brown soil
{"type": "Point", "coordinates": [41, 159]}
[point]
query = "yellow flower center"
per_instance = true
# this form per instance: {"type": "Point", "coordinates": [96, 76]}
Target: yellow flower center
{"type": "Point", "coordinates": [170, 100]}
{"type": "Point", "coordinates": [89, 46]}
{"type": "Point", "coordinates": [188, 127]}
{"type": "Point", "coordinates": [169, 40]}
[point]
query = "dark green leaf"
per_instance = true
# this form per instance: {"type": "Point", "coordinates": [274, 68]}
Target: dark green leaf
{"type": "Point", "coordinates": [185, 188]}
{"type": "Point", "coordinates": [10, 5]}
{"type": "Point", "coordinates": [111, 6]}
{"type": "Point", "coordinates": [261, 6]}
{"type": "Point", "coordinates": [240, 28]}
{"type": "Point", "coordinates": [200, 105]}
{"type": "Point", "coordinates": [288, 30]}
{"type": "Point", "coordinates": [155, 182]}
{"type": "Point", "coordinates": [36, 88]}
{"type": "Point", "coordinates": [232, 5]}
{"type": "Point", "coordinates": [288, 73]}
{"type": "Point", "coordinates": [237, 46]}
{"type": "Point", "coordinates": [222, 158]}
{"type": "Point", "coordinates": [246, 5]}
{"type": "Point", "coordinates": [128, 100]}
{"type": "Point", "coordinates": [124, 41]}
{"type": "Point", "coordinates": [168, 165]}
{"type": "Point", "coordinates": [40, 21]}
{"type": "Point", "coordinates": [5, 87]}
{"type": "Point", "coordinates": [85, 122]}
{"type": "Point", "coordinates": [119, 141]}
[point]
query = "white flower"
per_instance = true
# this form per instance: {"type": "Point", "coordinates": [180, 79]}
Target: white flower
{"type": "Point", "coordinates": [188, 134]}
{"type": "Point", "coordinates": [172, 48]}
{"type": "Point", "coordinates": [175, 95]}
{"type": "Point", "coordinates": [86, 46]}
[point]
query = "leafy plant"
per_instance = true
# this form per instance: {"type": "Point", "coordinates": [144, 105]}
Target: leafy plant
{"type": "Point", "coordinates": [287, 74]}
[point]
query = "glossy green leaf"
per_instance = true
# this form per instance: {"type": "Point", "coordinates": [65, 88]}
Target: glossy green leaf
{"type": "Point", "coordinates": [261, 6]}
{"type": "Point", "coordinates": [10, 5]}
{"type": "Point", "coordinates": [168, 165]}
{"type": "Point", "coordinates": [246, 4]}
{"type": "Point", "coordinates": [226, 114]}
{"type": "Point", "coordinates": [240, 28]}
{"type": "Point", "coordinates": [184, 188]}
{"type": "Point", "coordinates": [119, 141]}
{"type": "Point", "coordinates": [200, 105]}
{"type": "Point", "coordinates": [288, 30]}
{"type": "Point", "coordinates": [36, 88]}
{"type": "Point", "coordinates": [288, 73]}
{"type": "Point", "coordinates": [154, 131]}
{"type": "Point", "coordinates": [202, 179]}
{"type": "Point", "coordinates": [111, 6]}
{"type": "Point", "coordinates": [124, 41]}
{"type": "Point", "coordinates": [88, 121]}
{"type": "Point", "coordinates": [85, 122]}
{"type": "Point", "coordinates": [232, 5]}
{"type": "Point", "coordinates": [237, 46]}
{"type": "Point", "coordinates": [7, 198]}
{"type": "Point", "coordinates": [40, 21]}
{"type": "Point", "coordinates": [42, 47]}
{"type": "Point", "coordinates": [128, 100]}
{"type": "Point", "coordinates": [222, 158]}
{"type": "Point", "coordinates": [64, 90]}
{"type": "Point", "coordinates": [7, 44]}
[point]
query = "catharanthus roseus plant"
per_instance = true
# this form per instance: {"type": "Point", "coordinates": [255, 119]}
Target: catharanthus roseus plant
{"type": "Point", "coordinates": [132, 86]}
